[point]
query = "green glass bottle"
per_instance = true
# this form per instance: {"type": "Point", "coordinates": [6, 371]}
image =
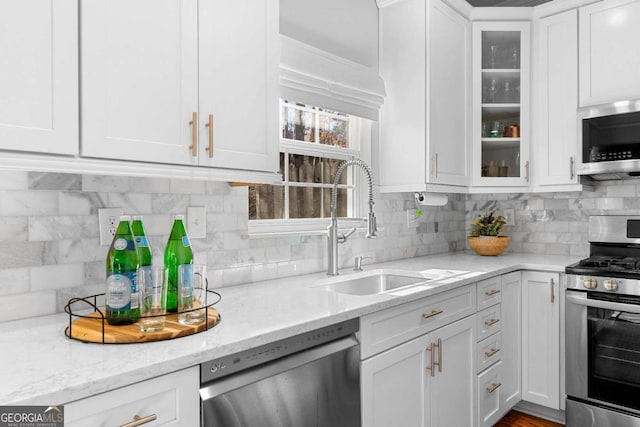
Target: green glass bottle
{"type": "Point", "coordinates": [121, 294]}
{"type": "Point", "coordinates": [142, 244]}
{"type": "Point", "coordinates": [177, 252]}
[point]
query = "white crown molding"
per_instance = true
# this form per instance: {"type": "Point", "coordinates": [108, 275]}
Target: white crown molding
{"type": "Point", "coordinates": [555, 7]}
{"type": "Point", "coordinates": [461, 6]}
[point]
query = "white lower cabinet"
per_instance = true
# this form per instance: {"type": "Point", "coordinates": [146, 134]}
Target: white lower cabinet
{"type": "Point", "coordinates": [490, 392]}
{"type": "Point", "coordinates": [498, 352]}
{"type": "Point", "coordinates": [511, 340]}
{"type": "Point", "coordinates": [425, 382]}
{"type": "Point", "coordinates": [168, 400]}
{"type": "Point", "coordinates": [541, 338]}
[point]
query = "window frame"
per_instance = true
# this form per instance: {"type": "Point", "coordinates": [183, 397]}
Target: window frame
{"type": "Point", "coordinates": [359, 138]}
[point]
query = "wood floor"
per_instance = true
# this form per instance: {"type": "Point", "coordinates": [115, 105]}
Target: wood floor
{"type": "Point", "coordinates": [520, 419]}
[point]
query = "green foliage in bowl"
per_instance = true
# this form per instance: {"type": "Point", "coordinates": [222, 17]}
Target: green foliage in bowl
{"type": "Point", "coordinates": [487, 224]}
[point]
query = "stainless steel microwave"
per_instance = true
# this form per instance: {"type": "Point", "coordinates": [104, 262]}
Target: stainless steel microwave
{"type": "Point", "coordinates": [610, 136]}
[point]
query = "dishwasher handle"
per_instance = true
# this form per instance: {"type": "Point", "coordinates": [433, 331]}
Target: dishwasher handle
{"type": "Point", "coordinates": [217, 387]}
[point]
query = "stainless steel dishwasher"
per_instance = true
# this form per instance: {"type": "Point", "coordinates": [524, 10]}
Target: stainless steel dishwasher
{"type": "Point", "coordinates": [311, 379]}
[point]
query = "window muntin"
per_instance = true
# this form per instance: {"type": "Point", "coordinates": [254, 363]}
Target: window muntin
{"type": "Point", "coordinates": [314, 141]}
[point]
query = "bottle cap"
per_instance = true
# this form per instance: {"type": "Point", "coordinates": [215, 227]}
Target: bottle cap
{"type": "Point", "coordinates": [125, 217]}
{"type": "Point", "coordinates": [137, 217]}
{"type": "Point", "coordinates": [178, 217]}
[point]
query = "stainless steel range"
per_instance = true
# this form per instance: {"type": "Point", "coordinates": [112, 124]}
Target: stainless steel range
{"type": "Point", "coordinates": [603, 327]}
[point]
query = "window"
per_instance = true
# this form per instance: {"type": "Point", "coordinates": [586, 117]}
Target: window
{"type": "Point", "coordinates": [313, 143]}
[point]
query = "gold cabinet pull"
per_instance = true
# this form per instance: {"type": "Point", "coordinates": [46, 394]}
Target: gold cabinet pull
{"type": "Point", "coordinates": [553, 293]}
{"type": "Point", "coordinates": [492, 292]}
{"type": "Point", "coordinates": [433, 313]}
{"type": "Point", "coordinates": [209, 124]}
{"type": "Point", "coordinates": [433, 363]}
{"type": "Point", "coordinates": [431, 366]}
{"type": "Point", "coordinates": [491, 322]}
{"type": "Point", "coordinates": [572, 167]}
{"type": "Point", "coordinates": [138, 420]}
{"type": "Point", "coordinates": [491, 352]}
{"type": "Point", "coordinates": [493, 387]}
{"type": "Point", "coordinates": [194, 134]}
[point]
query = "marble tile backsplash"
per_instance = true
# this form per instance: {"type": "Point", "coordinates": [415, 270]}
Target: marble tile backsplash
{"type": "Point", "coordinates": [50, 247]}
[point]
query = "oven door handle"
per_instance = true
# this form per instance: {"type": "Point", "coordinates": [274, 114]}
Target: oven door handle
{"type": "Point", "coordinates": [616, 306]}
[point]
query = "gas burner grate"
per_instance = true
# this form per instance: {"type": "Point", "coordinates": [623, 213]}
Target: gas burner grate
{"type": "Point", "coordinates": [611, 263]}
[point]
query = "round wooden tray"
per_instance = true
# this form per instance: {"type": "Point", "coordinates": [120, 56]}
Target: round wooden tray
{"type": "Point", "coordinates": [94, 328]}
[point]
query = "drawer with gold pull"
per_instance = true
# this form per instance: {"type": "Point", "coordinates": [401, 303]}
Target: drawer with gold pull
{"type": "Point", "coordinates": [488, 321]}
{"type": "Point", "coordinates": [489, 292]}
{"type": "Point", "coordinates": [489, 395]}
{"type": "Point", "coordinates": [387, 328]}
{"type": "Point", "coordinates": [489, 351]}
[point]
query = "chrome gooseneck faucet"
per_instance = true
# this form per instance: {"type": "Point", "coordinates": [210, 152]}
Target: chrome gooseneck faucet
{"type": "Point", "coordinates": [333, 238]}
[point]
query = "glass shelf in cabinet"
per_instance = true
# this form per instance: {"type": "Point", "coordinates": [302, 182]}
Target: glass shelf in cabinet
{"type": "Point", "coordinates": [500, 143]}
{"type": "Point", "coordinates": [500, 105]}
{"type": "Point", "coordinates": [501, 70]}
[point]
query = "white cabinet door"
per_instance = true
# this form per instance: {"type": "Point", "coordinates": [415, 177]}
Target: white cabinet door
{"type": "Point", "coordinates": [511, 341]}
{"type": "Point", "coordinates": [173, 399]}
{"type": "Point", "coordinates": [239, 84]}
{"type": "Point", "coordinates": [555, 98]}
{"type": "Point", "coordinates": [397, 387]}
{"type": "Point", "coordinates": [39, 76]}
{"type": "Point", "coordinates": [609, 53]}
{"type": "Point", "coordinates": [448, 94]}
{"type": "Point", "coordinates": [450, 396]}
{"type": "Point", "coordinates": [394, 385]}
{"type": "Point", "coordinates": [139, 79]}
{"type": "Point", "coordinates": [541, 339]}
{"type": "Point", "coordinates": [424, 54]}
{"type": "Point", "coordinates": [500, 126]}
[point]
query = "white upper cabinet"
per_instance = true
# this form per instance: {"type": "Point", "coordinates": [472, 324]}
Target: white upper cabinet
{"type": "Point", "coordinates": [424, 61]}
{"type": "Point", "coordinates": [39, 76]}
{"type": "Point", "coordinates": [181, 82]}
{"type": "Point", "coordinates": [555, 100]}
{"type": "Point", "coordinates": [609, 53]}
{"type": "Point", "coordinates": [239, 84]}
{"type": "Point", "coordinates": [139, 79]}
{"type": "Point", "coordinates": [500, 126]}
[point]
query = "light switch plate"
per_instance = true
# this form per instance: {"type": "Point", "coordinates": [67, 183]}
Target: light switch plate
{"type": "Point", "coordinates": [509, 216]}
{"type": "Point", "coordinates": [197, 222]}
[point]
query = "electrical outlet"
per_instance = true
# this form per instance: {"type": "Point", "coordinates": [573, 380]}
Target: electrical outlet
{"type": "Point", "coordinates": [412, 218]}
{"type": "Point", "coordinates": [509, 216]}
{"type": "Point", "coordinates": [197, 222]}
{"type": "Point", "coordinates": [108, 219]}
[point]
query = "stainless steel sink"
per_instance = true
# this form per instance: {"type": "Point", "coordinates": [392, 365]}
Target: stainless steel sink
{"type": "Point", "coordinates": [373, 283]}
{"type": "Point", "coordinates": [383, 280]}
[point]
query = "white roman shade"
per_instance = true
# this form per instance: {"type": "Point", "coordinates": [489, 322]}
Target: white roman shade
{"type": "Point", "coordinates": [316, 77]}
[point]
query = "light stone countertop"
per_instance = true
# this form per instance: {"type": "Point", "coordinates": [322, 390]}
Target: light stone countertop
{"type": "Point", "coordinates": [40, 365]}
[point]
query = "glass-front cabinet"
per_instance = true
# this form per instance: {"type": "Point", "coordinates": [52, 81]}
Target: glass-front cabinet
{"type": "Point", "coordinates": [501, 104]}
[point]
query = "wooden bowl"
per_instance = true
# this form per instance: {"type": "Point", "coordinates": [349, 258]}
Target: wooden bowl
{"type": "Point", "coordinates": [488, 245]}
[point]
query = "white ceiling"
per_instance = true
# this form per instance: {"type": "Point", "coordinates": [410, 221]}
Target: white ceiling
{"type": "Point", "coordinates": [506, 3]}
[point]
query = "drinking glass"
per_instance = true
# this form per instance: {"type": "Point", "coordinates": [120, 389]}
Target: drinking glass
{"type": "Point", "coordinates": [493, 53]}
{"type": "Point", "coordinates": [192, 294]}
{"type": "Point", "coordinates": [152, 291]}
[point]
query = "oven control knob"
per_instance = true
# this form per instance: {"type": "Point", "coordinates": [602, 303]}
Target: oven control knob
{"type": "Point", "coordinates": [610, 284]}
{"type": "Point", "coordinates": [590, 283]}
